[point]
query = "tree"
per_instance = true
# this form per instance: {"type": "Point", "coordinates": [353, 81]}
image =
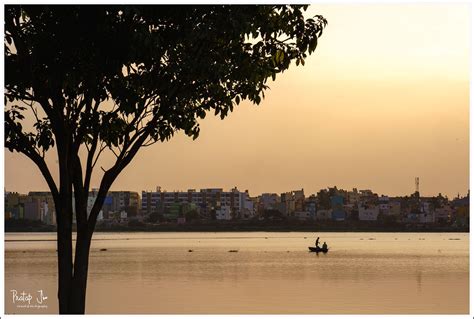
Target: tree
{"type": "Point", "coordinates": [119, 78]}
{"type": "Point", "coordinates": [191, 215]}
{"type": "Point", "coordinates": [153, 217]}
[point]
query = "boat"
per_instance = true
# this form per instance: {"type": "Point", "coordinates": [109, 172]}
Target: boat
{"type": "Point", "coordinates": [318, 250]}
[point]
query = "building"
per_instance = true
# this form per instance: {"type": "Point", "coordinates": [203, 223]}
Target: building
{"type": "Point", "coordinates": [353, 196]}
{"type": "Point", "coordinates": [125, 201]}
{"type": "Point", "coordinates": [33, 210]}
{"type": "Point", "coordinates": [290, 202]}
{"type": "Point", "coordinates": [224, 213]}
{"type": "Point", "coordinates": [462, 211]}
{"type": "Point", "coordinates": [299, 198]}
{"type": "Point", "coordinates": [443, 214]}
{"type": "Point", "coordinates": [106, 212]}
{"type": "Point", "coordinates": [208, 200]}
{"type": "Point", "coordinates": [426, 217]}
{"type": "Point", "coordinates": [287, 204]}
{"type": "Point", "coordinates": [14, 205]}
{"type": "Point", "coordinates": [267, 201]}
{"type": "Point", "coordinates": [394, 208]}
{"type": "Point", "coordinates": [248, 207]}
{"type": "Point", "coordinates": [303, 215]}
{"type": "Point", "coordinates": [311, 206]}
{"type": "Point", "coordinates": [47, 210]}
{"type": "Point", "coordinates": [151, 202]}
{"type": "Point", "coordinates": [324, 214]}
{"type": "Point", "coordinates": [384, 206]}
{"type": "Point", "coordinates": [422, 213]}
{"type": "Point", "coordinates": [368, 212]}
{"type": "Point", "coordinates": [366, 196]}
{"type": "Point", "coordinates": [179, 211]}
{"type": "Point", "coordinates": [338, 213]}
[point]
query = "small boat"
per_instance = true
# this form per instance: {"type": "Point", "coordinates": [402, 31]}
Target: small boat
{"type": "Point", "coordinates": [318, 250]}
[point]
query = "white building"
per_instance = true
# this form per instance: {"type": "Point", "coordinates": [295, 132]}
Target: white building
{"type": "Point", "coordinates": [269, 201]}
{"type": "Point", "coordinates": [224, 213]}
{"type": "Point", "coordinates": [353, 197]}
{"type": "Point", "coordinates": [368, 212]}
{"type": "Point", "coordinates": [90, 203]}
{"type": "Point", "coordinates": [247, 204]}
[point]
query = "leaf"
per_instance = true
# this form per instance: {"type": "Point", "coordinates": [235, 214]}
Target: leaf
{"type": "Point", "coordinates": [281, 57]}
{"type": "Point", "coordinates": [313, 44]}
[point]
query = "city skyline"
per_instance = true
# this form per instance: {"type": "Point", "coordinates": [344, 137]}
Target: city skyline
{"type": "Point", "coordinates": [181, 207]}
{"type": "Point", "coordinates": [160, 188]}
{"type": "Point", "coordinates": [396, 108]}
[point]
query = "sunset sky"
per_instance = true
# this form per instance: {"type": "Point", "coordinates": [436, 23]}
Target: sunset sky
{"type": "Point", "coordinates": [384, 99]}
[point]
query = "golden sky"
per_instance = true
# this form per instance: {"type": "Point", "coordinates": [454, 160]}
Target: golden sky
{"type": "Point", "coordinates": [384, 99]}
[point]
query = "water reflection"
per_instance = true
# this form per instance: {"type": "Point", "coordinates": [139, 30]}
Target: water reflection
{"type": "Point", "coordinates": [270, 273]}
{"type": "Point", "coordinates": [418, 280]}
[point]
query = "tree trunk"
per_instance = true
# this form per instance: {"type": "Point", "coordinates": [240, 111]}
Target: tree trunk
{"type": "Point", "coordinates": [77, 301]}
{"type": "Point", "coordinates": [72, 277]}
{"type": "Point", "coordinates": [64, 245]}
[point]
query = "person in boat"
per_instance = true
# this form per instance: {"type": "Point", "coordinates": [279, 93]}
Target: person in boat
{"type": "Point", "coordinates": [317, 242]}
{"type": "Point", "coordinates": [325, 246]}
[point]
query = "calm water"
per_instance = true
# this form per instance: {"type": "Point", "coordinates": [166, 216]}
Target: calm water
{"type": "Point", "coordinates": [389, 273]}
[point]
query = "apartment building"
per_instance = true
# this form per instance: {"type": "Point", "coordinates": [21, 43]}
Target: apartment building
{"type": "Point", "coordinates": [207, 199]}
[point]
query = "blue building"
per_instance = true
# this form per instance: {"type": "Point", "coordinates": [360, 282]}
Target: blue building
{"type": "Point", "coordinates": [337, 205]}
{"type": "Point", "coordinates": [338, 214]}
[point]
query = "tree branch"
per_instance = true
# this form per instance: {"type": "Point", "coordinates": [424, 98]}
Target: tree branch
{"type": "Point", "coordinates": [80, 193]}
{"type": "Point", "coordinates": [89, 162]}
{"type": "Point", "coordinates": [27, 149]}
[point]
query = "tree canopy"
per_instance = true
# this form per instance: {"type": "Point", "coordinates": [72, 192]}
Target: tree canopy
{"type": "Point", "coordinates": [118, 78]}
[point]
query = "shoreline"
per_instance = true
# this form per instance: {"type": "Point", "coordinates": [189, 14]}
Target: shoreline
{"type": "Point", "coordinates": [256, 226]}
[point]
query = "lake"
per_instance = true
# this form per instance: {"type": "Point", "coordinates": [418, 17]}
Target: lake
{"type": "Point", "coordinates": [271, 273]}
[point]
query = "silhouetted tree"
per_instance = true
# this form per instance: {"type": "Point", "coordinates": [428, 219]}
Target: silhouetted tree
{"type": "Point", "coordinates": [118, 78]}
